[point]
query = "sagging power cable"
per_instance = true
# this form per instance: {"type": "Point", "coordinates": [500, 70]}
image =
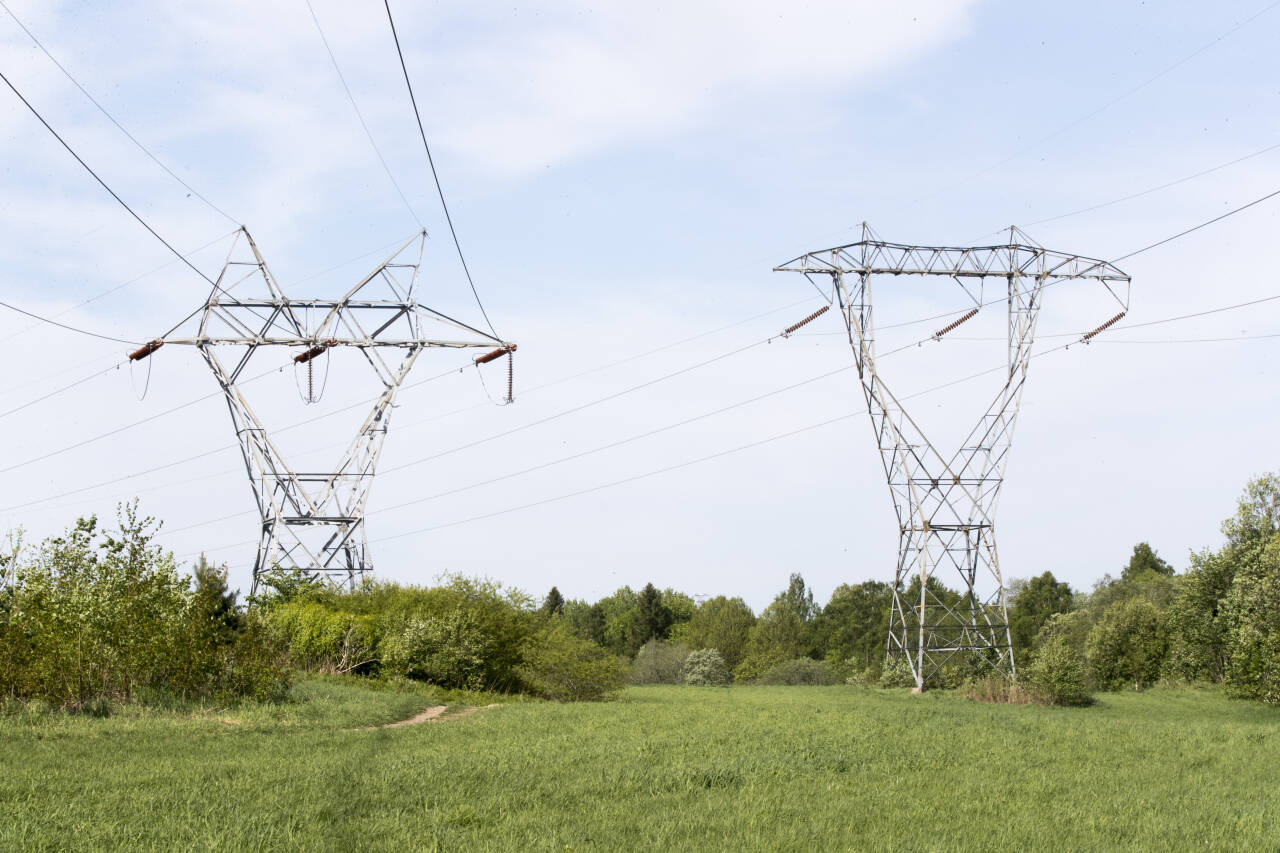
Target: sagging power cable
{"type": "Point", "coordinates": [434, 176]}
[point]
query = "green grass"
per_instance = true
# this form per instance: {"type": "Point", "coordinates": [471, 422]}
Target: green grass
{"type": "Point", "coordinates": [767, 768]}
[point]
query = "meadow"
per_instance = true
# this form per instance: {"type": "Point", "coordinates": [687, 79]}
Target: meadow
{"type": "Point", "coordinates": [671, 768]}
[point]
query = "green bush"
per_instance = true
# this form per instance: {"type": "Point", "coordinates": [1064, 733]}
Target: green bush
{"type": "Point", "coordinates": [659, 662]}
{"type": "Point", "coordinates": [1127, 646]}
{"type": "Point", "coordinates": [1056, 675]}
{"type": "Point", "coordinates": [897, 673]}
{"type": "Point", "coordinates": [463, 632]}
{"type": "Point", "coordinates": [95, 617]}
{"type": "Point", "coordinates": [801, 672]}
{"type": "Point", "coordinates": [448, 650]}
{"type": "Point", "coordinates": [705, 668]}
{"type": "Point", "coordinates": [558, 665]}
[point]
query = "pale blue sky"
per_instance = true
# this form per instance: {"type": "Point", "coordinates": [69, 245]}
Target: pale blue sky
{"type": "Point", "coordinates": [625, 180]}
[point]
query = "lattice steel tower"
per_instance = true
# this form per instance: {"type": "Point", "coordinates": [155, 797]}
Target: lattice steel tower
{"type": "Point", "coordinates": [312, 522]}
{"type": "Point", "coordinates": [946, 502]}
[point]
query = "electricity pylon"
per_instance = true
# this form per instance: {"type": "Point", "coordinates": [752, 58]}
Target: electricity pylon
{"type": "Point", "coordinates": [946, 502]}
{"type": "Point", "coordinates": [312, 522]}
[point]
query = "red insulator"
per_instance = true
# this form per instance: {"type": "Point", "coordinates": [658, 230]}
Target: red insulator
{"type": "Point", "coordinates": [1104, 326]}
{"type": "Point", "coordinates": [496, 354]}
{"type": "Point", "coordinates": [303, 358]}
{"type": "Point", "coordinates": [973, 312]}
{"type": "Point", "coordinates": [806, 321]}
{"type": "Point", "coordinates": [145, 350]}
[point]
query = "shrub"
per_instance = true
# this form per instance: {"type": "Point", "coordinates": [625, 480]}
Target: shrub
{"type": "Point", "coordinates": [95, 617]}
{"type": "Point", "coordinates": [557, 665]}
{"type": "Point", "coordinates": [1127, 646]}
{"type": "Point", "coordinates": [897, 673]}
{"type": "Point", "coordinates": [463, 632]}
{"type": "Point", "coordinates": [659, 662]}
{"type": "Point", "coordinates": [1056, 676]}
{"type": "Point", "coordinates": [756, 664]}
{"type": "Point", "coordinates": [801, 671]}
{"type": "Point", "coordinates": [449, 650]}
{"type": "Point", "coordinates": [705, 668]}
{"type": "Point", "coordinates": [996, 689]}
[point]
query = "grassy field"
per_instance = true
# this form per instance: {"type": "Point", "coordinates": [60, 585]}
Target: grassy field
{"type": "Point", "coordinates": [745, 768]}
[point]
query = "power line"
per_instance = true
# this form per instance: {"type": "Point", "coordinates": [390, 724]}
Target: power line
{"type": "Point", "coordinates": [117, 287]}
{"type": "Point", "coordinates": [111, 118]}
{"type": "Point", "coordinates": [408, 386]}
{"type": "Point", "coordinates": [103, 183]}
{"type": "Point", "coordinates": [75, 384]}
{"type": "Point", "coordinates": [1198, 227]}
{"type": "Point", "coordinates": [126, 427]}
{"type": "Point", "coordinates": [435, 177]}
{"type": "Point", "coordinates": [360, 116]}
{"type": "Point", "coordinates": [623, 481]}
{"type": "Point", "coordinates": [576, 409]}
{"type": "Point", "coordinates": [1082, 119]}
{"type": "Point", "coordinates": [574, 456]}
{"type": "Point", "coordinates": [75, 329]}
{"type": "Point", "coordinates": [1151, 190]}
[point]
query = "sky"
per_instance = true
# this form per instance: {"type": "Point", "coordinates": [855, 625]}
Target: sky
{"type": "Point", "coordinates": [623, 181]}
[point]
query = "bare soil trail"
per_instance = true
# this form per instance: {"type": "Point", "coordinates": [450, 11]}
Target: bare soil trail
{"type": "Point", "coordinates": [433, 715]}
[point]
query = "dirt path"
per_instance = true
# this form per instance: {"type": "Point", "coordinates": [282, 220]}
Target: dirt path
{"type": "Point", "coordinates": [427, 715]}
{"type": "Point", "coordinates": [432, 715]}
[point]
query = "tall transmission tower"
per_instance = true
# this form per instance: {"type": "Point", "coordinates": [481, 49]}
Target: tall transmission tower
{"type": "Point", "coordinates": [946, 501]}
{"type": "Point", "coordinates": [312, 522]}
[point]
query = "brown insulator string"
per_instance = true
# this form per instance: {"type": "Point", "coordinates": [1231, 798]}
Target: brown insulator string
{"type": "Point", "coordinates": [305, 357]}
{"type": "Point", "coordinates": [973, 312]}
{"type": "Point", "coordinates": [145, 350]}
{"type": "Point", "coordinates": [496, 354]}
{"type": "Point", "coordinates": [806, 321]}
{"type": "Point", "coordinates": [1103, 327]}
{"type": "Point", "coordinates": [511, 377]}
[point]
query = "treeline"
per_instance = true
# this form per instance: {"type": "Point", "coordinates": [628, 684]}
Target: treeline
{"type": "Point", "coordinates": [1217, 622]}
{"type": "Point", "coordinates": [105, 616]}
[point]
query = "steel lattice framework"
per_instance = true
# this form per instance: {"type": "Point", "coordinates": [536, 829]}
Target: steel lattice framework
{"type": "Point", "coordinates": [313, 522]}
{"type": "Point", "coordinates": [946, 502]}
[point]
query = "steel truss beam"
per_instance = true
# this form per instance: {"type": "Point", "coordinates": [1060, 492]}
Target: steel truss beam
{"type": "Point", "coordinates": [946, 502]}
{"type": "Point", "coordinates": [312, 523]}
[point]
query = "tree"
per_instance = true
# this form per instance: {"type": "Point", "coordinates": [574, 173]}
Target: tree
{"type": "Point", "coordinates": [783, 632]}
{"type": "Point", "coordinates": [1145, 559]}
{"type": "Point", "coordinates": [1037, 600]}
{"type": "Point", "coordinates": [1257, 515]}
{"type": "Point", "coordinates": [1253, 618]}
{"type": "Point", "coordinates": [652, 619]}
{"type": "Point", "coordinates": [553, 604]}
{"type": "Point", "coordinates": [798, 599]}
{"type": "Point", "coordinates": [1127, 645]}
{"type": "Point", "coordinates": [723, 624]}
{"type": "Point", "coordinates": [853, 626]}
{"type": "Point", "coordinates": [1198, 627]}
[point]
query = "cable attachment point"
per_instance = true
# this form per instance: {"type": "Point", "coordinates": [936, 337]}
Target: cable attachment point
{"type": "Point", "coordinates": [1103, 327]}
{"type": "Point", "coordinates": [145, 350]}
{"type": "Point", "coordinates": [973, 312]}
{"type": "Point", "coordinates": [505, 349]}
{"type": "Point", "coordinates": [786, 333]}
